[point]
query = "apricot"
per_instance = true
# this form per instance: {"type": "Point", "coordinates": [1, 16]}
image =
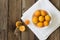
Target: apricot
{"type": "Point", "coordinates": [40, 24]}
{"type": "Point", "coordinates": [27, 22]}
{"type": "Point", "coordinates": [22, 28]}
{"type": "Point", "coordinates": [43, 13]}
{"type": "Point", "coordinates": [37, 13]}
{"type": "Point", "coordinates": [18, 23]}
{"type": "Point", "coordinates": [34, 19]}
{"type": "Point", "coordinates": [41, 18]}
{"type": "Point", "coordinates": [46, 23]}
{"type": "Point", "coordinates": [47, 18]}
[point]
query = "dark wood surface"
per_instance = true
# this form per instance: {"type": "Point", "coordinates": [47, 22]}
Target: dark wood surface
{"type": "Point", "coordinates": [11, 11]}
{"type": "Point", "coordinates": [3, 19]}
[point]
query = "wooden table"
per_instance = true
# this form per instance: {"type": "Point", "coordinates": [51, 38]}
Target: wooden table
{"type": "Point", "coordinates": [11, 11]}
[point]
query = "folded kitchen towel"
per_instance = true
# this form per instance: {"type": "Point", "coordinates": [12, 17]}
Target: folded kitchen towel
{"type": "Point", "coordinates": [43, 33]}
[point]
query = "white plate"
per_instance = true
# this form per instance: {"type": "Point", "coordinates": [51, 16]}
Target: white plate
{"type": "Point", "coordinates": [47, 5]}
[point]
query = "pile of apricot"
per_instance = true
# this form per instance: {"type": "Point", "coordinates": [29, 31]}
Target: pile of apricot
{"type": "Point", "coordinates": [41, 18]}
{"type": "Point", "coordinates": [20, 26]}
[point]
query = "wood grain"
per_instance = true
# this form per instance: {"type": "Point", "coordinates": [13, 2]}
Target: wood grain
{"type": "Point", "coordinates": [14, 15]}
{"type": "Point", "coordinates": [3, 19]}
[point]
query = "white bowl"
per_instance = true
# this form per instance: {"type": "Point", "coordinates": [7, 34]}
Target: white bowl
{"type": "Point", "coordinates": [48, 14]}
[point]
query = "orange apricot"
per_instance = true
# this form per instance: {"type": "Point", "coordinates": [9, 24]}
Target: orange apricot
{"type": "Point", "coordinates": [41, 18]}
{"type": "Point", "coordinates": [40, 24]}
{"type": "Point", "coordinates": [47, 18]}
{"type": "Point", "coordinates": [37, 13]}
{"type": "Point", "coordinates": [46, 23]}
{"type": "Point", "coordinates": [22, 28]}
{"type": "Point", "coordinates": [27, 22]}
{"type": "Point", "coordinates": [34, 19]}
{"type": "Point", "coordinates": [18, 23]}
{"type": "Point", "coordinates": [43, 13]}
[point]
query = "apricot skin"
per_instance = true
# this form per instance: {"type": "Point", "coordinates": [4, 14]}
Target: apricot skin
{"type": "Point", "coordinates": [43, 13]}
{"type": "Point", "coordinates": [35, 20]}
{"type": "Point", "coordinates": [37, 13]}
{"type": "Point", "coordinates": [47, 18]}
{"type": "Point", "coordinates": [27, 22]}
{"type": "Point", "coordinates": [22, 28]}
{"type": "Point", "coordinates": [40, 24]}
{"type": "Point", "coordinates": [41, 18]}
{"type": "Point", "coordinates": [46, 23]}
{"type": "Point", "coordinates": [18, 23]}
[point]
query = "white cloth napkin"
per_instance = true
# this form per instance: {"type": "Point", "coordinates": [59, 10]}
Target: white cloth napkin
{"type": "Point", "coordinates": [43, 33]}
